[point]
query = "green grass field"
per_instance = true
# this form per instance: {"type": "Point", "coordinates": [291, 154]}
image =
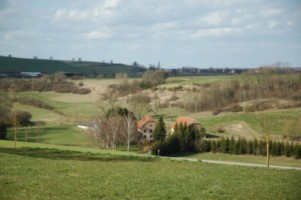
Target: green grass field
{"type": "Point", "coordinates": [51, 173]}
{"type": "Point", "coordinates": [11, 64]}
{"type": "Point", "coordinates": [63, 134]}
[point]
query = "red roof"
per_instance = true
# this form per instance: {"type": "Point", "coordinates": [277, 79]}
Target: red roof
{"type": "Point", "coordinates": [185, 120]}
{"type": "Point", "coordinates": [145, 120]}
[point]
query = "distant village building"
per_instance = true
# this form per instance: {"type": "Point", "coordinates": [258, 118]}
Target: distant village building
{"type": "Point", "coordinates": [186, 121]}
{"type": "Point", "coordinates": [146, 127]}
{"type": "Point", "coordinates": [31, 74]}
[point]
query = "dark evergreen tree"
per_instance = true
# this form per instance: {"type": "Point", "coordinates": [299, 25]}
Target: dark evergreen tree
{"type": "Point", "coordinates": [213, 146]}
{"type": "Point", "coordinates": [278, 149]}
{"type": "Point", "coordinates": [297, 151]}
{"type": "Point", "coordinates": [218, 146]}
{"type": "Point", "coordinates": [255, 146]}
{"type": "Point", "coordinates": [249, 147]}
{"type": "Point", "coordinates": [160, 130]}
{"type": "Point", "coordinates": [232, 145]}
{"type": "Point", "coordinates": [287, 149]}
{"type": "Point", "coordinates": [223, 145]}
{"type": "Point", "coordinates": [227, 145]}
{"type": "Point", "coordinates": [260, 148]}
{"type": "Point", "coordinates": [236, 147]}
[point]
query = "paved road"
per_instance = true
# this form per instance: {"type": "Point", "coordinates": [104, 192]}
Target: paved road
{"type": "Point", "coordinates": [234, 163]}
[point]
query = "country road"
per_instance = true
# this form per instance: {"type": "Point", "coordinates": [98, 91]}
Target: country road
{"type": "Point", "coordinates": [234, 163]}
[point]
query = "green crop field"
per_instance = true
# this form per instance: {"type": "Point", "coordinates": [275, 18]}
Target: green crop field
{"type": "Point", "coordinates": [51, 173]}
{"type": "Point", "coordinates": [11, 64]}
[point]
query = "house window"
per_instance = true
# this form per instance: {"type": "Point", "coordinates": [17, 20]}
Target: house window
{"type": "Point", "coordinates": [151, 136]}
{"type": "Point", "coordinates": [144, 130]}
{"type": "Point", "coordinates": [144, 136]}
{"type": "Point", "coordinates": [150, 130]}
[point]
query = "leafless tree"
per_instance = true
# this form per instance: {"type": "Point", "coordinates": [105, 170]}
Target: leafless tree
{"type": "Point", "coordinates": [130, 128]}
{"type": "Point", "coordinates": [267, 121]}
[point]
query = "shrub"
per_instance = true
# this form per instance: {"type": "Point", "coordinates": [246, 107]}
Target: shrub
{"type": "Point", "coordinates": [162, 147]}
{"type": "Point", "coordinates": [153, 78]}
{"type": "Point", "coordinates": [23, 118]}
{"type": "Point", "coordinates": [34, 102]}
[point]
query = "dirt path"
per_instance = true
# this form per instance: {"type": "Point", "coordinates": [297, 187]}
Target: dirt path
{"type": "Point", "coordinates": [234, 163]}
{"type": "Point", "coordinates": [249, 164]}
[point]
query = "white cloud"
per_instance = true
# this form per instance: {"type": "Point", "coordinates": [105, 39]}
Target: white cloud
{"type": "Point", "coordinates": [97, 35]}
{"type": "Point", "coordinates": [215, 32]}
{"type": "Point", "coordinates": [272, 24]}
{"type": "Point", "coordinates": [70, 15]}
{"type": "Point", "coordinates": [164, 26]}
{"type": "Point", "coordinates": [272, 12]}
{"type": "Point", "coordinates": [214, 18]}
{"type": "Point", "coordinates": [111, 4]}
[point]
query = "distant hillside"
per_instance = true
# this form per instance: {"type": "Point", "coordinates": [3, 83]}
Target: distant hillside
{"type": "Point", "coordinates": [11, 64]}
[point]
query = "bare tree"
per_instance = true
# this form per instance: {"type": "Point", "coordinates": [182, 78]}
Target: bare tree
{"type": "Point", "coordinates": [130, 128]}
{"type": "Point", "coordinates": [113, 129]}
{"type": "Point", "coordinates": [267, 122]}
{"type": "Point", "coordinates": [108, 122]}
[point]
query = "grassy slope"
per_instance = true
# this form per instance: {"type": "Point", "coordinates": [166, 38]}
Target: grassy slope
{"type": "Point", "coordinates": [281, 116]}
{"type": "Point", "coordinates": [51, 66]}
{"type": "Point", "coordinates": [53, 134]}
{"type": "Point", "coordinates": [39, 174]}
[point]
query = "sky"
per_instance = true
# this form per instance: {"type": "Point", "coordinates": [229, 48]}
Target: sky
{"type": "Point", "coordinates": [174, 33]}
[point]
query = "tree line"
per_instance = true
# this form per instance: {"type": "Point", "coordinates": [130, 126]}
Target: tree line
{"type": "Point", "coordinates": [241, 146]}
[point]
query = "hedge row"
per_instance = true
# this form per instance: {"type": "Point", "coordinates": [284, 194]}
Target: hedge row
{"type": "Point", "coordinates": [255, 147]}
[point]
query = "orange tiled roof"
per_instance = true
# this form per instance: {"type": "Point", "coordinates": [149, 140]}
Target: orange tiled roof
{"type": "Point", "coordinates": [185, 120]}
{"type": "Point", "coordinates": [144, 120]}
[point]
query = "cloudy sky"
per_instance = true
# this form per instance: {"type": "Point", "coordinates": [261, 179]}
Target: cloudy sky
{"type": "Point", "coordinates": [202, 33]}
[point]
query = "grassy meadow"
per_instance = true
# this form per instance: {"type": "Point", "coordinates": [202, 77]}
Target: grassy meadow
{"type": "Point", "coordinates": [38, 173]}
{"type": "Point", "coordinates": [56, 160]}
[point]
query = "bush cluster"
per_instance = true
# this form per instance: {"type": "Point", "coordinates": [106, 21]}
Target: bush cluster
{"type": "Point", "coordinates": [55, 83]}
{"type": "Point", "coordinates": [34, 102]}
{"type": "Point", "coordinates": [252, 147]}
{"type": "Point", "coordinates": [152, 78]}
{"type": "Point", "coordinates": [68, 87]}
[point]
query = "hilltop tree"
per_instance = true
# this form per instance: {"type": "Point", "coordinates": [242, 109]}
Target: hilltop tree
{"type": "Point", "coordinates": [153, 78]}
{"type": "Point", "coordinates": [160, 130]}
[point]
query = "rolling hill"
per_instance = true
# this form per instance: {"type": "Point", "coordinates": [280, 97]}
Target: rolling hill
{"type": "Point", "coordinates": [12, 64]}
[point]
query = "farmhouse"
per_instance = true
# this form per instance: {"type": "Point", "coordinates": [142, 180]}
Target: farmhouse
{"type": "Point", "coordinates": [185, 120]}
{"type": "Point", "coordinates": [146, 127]}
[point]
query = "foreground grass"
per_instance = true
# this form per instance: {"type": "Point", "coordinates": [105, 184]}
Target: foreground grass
{"type": "Point", "coordinates": [31, 173]}
{"type": "Point", "coordinates": [38, 170]}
